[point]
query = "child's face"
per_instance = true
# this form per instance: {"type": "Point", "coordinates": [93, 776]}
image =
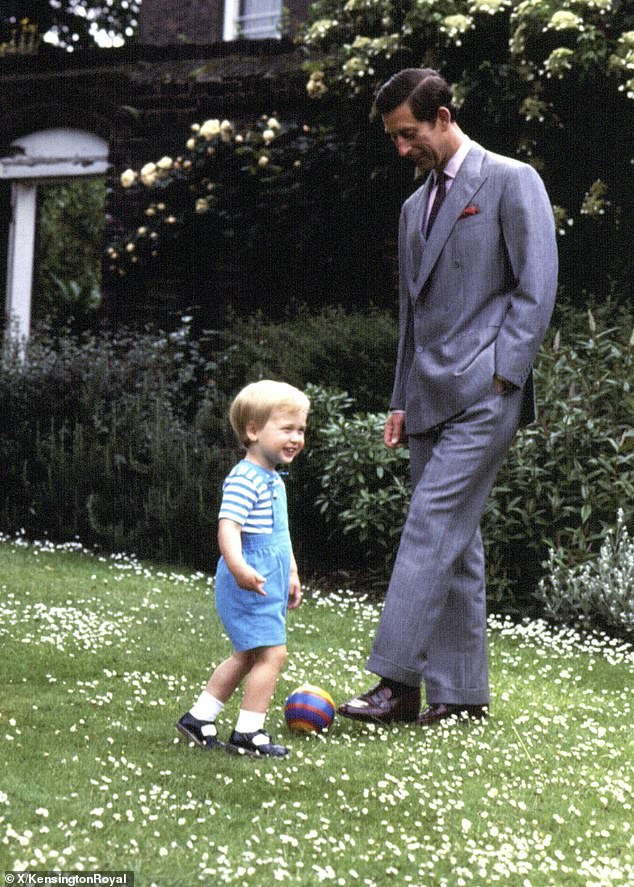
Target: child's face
{"type": "Point", "coordinates": [279, 441]}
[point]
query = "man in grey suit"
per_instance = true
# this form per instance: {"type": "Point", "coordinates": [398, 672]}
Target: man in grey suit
{"type": "Point", "coordinates": [478, 277]}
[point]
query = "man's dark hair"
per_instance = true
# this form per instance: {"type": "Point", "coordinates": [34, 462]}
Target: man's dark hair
{"type": "Point", "coordinates": [422, 88]}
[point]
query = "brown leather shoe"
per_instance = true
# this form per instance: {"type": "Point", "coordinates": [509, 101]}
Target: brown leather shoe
{"type": "Point", "coordinates": [380, 704]}
{"type": "Point", "coordinates": [438, 711]}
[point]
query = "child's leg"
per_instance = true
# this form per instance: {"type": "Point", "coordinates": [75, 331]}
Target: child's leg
{"type": "Point", "coordinates": [229, 674]}
{"type": "Point", "coordinates": [223, 681]}
{"type": "Point", "coordinates": [260, 684]}
{"type": "Point", "coordinates": [249, 736]}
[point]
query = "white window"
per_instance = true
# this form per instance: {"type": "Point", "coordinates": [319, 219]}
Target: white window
{"type": "Point", "coordinates": [253, 19]}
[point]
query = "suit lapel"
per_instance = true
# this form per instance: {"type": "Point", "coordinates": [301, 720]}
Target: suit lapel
{"type": "Point", "coordinates": [416, 240]}
{"type": "Point", "coordinates": [469, 180]}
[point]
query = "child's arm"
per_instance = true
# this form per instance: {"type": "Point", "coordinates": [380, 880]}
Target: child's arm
{"type": "Point", "coordinates": [230, 544]}
{"type": "Point", "coordinates": [294, 588]}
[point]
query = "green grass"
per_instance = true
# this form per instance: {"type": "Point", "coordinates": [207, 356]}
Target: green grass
{"type": "Point", "coordinates": [101, 655]}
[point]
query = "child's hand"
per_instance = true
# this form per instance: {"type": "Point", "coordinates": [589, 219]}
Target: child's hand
{"type": "Point", "coordinates": [294, 591]}
{"type": "Point", "coordinates": [230, 544]}
{"type": "Point", "coordinates": [250, 580]}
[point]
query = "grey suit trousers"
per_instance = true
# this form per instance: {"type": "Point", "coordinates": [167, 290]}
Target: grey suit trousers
{"type": "Point", "coordinates": [433, 626]}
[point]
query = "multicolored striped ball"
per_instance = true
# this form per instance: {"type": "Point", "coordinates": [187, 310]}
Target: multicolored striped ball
{"type": "Point", "coordinates": [309, 709]}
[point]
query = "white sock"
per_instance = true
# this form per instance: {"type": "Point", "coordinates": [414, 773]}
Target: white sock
{"type": "Point", "coordinates": [250, 721]}
{"type": "Point", "coordinates": [206, 707]}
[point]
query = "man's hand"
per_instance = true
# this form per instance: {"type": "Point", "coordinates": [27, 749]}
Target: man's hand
{"type": "Point", "coordinates": [503, 386]}
{"type": "Point", "coordinates": [394, 432]}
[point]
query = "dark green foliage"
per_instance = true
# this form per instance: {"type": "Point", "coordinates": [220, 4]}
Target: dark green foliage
{"type": "Point", "coordinates": [98, 444]}
{"type": "Point", "coordinates": [560, 487]}
{"type": "Point", "coordinates": [68, 256]}
{"type": "Point", "coordinates": [124, 441]}
{"type": "Point", "coordinates": [354, 351]}
{"type": "Point", "coordinates": [364, 486]}
{"type": "Point", "coordinates": [567, 475]}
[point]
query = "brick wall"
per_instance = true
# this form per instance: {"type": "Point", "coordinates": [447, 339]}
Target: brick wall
{"type": "Point", "coordinates": [166, 22]}
{"type": "Point", "coordinates": [142, 100]}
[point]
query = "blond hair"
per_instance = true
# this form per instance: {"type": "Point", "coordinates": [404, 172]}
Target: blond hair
{"type": "Point", "coordinates": [255, 403]}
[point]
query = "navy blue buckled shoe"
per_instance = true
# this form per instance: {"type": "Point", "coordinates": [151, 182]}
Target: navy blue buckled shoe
{"type": "Point", "coordinates": [202, 733]}
{"type": "Point", "coordinates": [258, 743]}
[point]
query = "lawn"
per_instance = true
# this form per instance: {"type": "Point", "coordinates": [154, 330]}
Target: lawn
{"type": "Point", "coordinates": [102, 654]}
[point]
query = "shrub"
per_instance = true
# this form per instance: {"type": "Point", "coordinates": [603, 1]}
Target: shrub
{"type": "Point", "coordinates": [363, 486]}
{"type": "Point", "coordinates": [123, 440]}
{"type": "Point", "coordinates": [567, 474]}
{"type": "Point", "coordinates": [99, 445]}
{"type": "Point", "coordinates": [562, 482]}
{"type": "Point", "coordinates": [598, 593]}
{"type": "Point", "coordinates": [349, 351]}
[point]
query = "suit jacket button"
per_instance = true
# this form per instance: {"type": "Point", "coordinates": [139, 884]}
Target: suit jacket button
{"type": "Point", "coordinates": [419, 349]}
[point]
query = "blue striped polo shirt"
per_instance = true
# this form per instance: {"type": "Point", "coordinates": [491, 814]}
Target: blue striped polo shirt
{"type": "Point", "coordinates": [247, 497]}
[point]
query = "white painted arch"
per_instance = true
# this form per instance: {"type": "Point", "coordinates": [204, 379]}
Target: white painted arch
{"type": "Point", "coordinates": [43, 156]}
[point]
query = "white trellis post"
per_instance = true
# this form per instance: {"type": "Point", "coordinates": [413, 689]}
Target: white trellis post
{"type": "Point", "coordinates": [20, 258]}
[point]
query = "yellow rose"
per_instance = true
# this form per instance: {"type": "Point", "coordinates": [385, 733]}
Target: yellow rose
{"type": "Point", "coordinates": [210, 129]}
{"type": "Point", "coordinates": [149, 174]}
{"type": "Point", "coordinates": [128, 178]}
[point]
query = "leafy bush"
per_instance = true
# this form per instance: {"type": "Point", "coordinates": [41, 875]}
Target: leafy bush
{"type": "Point", "coordinates": [363, 485]}
{"type": "Point", "coordinates": [99, 445]}
{"type": "Point", "coordinates": [598, 593]}
{"type": "Point", "coordinates": [124, 441]}
{"type": "Point", "coordinates": [351, 351]}
{"type": "Point", "coordinates": [562, 482]}
{"type": "Point", "coordinates": [567, 474]}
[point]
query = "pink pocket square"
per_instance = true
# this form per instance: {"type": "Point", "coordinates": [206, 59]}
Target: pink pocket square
{"type": "Point", "coordinates": [470, 210]}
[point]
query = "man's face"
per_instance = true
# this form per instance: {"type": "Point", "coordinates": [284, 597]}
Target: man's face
{"type": "Point", "coordinates": [424, 143]}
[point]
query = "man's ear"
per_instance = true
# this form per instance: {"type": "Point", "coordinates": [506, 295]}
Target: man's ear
{"type": "Point", "coordinates": [444, 116]}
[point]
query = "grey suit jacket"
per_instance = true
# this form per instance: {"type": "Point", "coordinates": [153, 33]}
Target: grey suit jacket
{"type": "Point", "coordinates": [476, 298]}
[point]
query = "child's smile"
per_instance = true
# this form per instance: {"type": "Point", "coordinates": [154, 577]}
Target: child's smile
{"type": "Point", "coordinates": [279, 441]}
